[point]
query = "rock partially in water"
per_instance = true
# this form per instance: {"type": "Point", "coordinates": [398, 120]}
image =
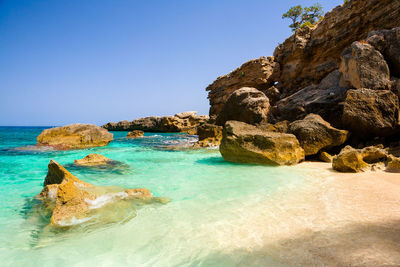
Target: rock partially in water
{"type": "Point", "coordinates": [210, 135]}
{"type": "Point", "coordinates": [75, 136]}
{"type": "Point", "coordinates": [93, 160]}
{"type": "Point", "coordinates": [246, 143]}
{"type": "Point", "coordinates": [74, 201]}
{"type": "Point", "coordinates": [135, 134]}
{"type": "Point", "coordinates": [315, 134]}
{"type": "Point", "coordinates": [357, 160]}
{"type": "Point", "coordinates": [181, 122]}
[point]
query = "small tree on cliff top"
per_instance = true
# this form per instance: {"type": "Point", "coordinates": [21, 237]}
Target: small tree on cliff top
{"type": "Point", "coordinates": [303, 16]}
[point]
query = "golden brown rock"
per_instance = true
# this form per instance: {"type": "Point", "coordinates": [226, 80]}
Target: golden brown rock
{"type": "Point", "coordinates": [393, 164]}
{"type": "Point", "coordinates": [246, 143]}
{"type": "Point", "coordinates": [309, 55]}
{"type": "Point", "coordinates": [76, 201]}
{"type": "Point", "coordinates": [257, 73]}
{"type": "Point", "coordinates": [93, 160]}
{"type": "Point", "coordinates": [356, 160]}
{"type": "Point", "coordinates": [325, 157]}
{"type": "Point", "coordinates": [135, 134]}
{"type": "Point", "coordinates": [210, 135]}
{"type": "Point", "coordinates": [315, 134]}
{"type": "Point", "coordinates": [75, 136]}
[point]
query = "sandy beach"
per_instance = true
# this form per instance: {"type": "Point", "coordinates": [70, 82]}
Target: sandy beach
{"type": "Point", "coordinates": [337, 219]}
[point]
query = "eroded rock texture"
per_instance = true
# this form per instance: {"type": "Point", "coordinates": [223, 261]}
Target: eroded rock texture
{"type": "Point", "coordinates": [245, 143]}
{"type": "Point", "coordinates": [75, 136]}
{"type": "Point", "coordinates": [247, 105]}
{"type": "Point", "coordinates": [258, 73]}
{"type": "Point", "coordinates": [308, 56]}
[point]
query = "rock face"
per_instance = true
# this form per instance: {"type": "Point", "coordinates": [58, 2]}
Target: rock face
{"type": "Point", "coordinates": [210, 135]}
{"type": "Point", "coordinates": [257, 73]}
{"type": "Point", "coordinates": [93, 160]}
{"type": "Point", "coordinates": [356, 160]}
{"type": "Point", "coordinates": [75, 201]}
{"type": "Point", "coordinates": [371, 113]}
{"type": "Point", "coordinates": [323, 99]}
{"type": "Point", "coordinates": [75, 136]}
{"type": "Point", "coordinates": [135, 134]}
{"type": "Point", "coordinates": [246, 143]}
{"type": "Point", "coordinates": [315, 134]}
{"type": "Point", "coordinates": [364, 67]}
{"type": "Point", "coordinates": [388, 43]}
{"type": "Point", "coordinates": [181, 122]}
{"type": "Point", "coordinates": [393, 165]}
{"type": "Point", "coordinates": [247, 105]}
{"type": "Point", "coordinates": [308, 56]}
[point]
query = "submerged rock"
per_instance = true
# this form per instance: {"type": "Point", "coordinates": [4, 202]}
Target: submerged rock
{"type": "Point", "coordinates": [247, 104]}
{"type": "Point", "coordinates": [135, 134]}
{"type": "Point", "coordinates": [356, 160]}
{"type": "Point", "coordinates": [93, 160]}
{"type": "Point", "coordinates": [315, 134]}
{"type": "Point", "coordinates": [74, 201]}
{"type": "Point", "coordinates": [246, 143]}
{"type": "Point", "coordinates": [75, 136]}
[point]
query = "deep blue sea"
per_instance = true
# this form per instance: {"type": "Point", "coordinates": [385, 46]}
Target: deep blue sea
{"type": "Point", "coordinates": [208, 221]}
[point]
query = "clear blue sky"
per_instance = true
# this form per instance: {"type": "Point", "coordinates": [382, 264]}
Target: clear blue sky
{"type": "Point", "coordinates": [94, 61]}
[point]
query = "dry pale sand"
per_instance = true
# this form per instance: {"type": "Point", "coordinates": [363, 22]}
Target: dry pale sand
{"type": "Point", "coordinates": [334, 219]}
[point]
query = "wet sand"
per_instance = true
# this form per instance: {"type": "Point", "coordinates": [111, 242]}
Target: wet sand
{"type": "Point", "coordinates": [335, 219]}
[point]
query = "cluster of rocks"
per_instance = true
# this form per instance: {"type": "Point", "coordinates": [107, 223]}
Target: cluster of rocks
{"type": "Point", "coordinates": [73, 201]}
{"type": "Point", "coordinates": [327, 86]}
{"type": "Point", "coordinates": [181, 122]}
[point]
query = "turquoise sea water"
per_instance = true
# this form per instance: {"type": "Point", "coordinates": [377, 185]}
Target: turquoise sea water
{"type": "Point", "coordinates": [200, 226]}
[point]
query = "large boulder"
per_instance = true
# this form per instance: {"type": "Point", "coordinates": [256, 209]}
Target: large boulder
{"type": "Point", "coordinates": [246, 143]}
{"type": "Point", "coordinates": [323, 99]}
{"type": "Point", "coordinates": [74, 201]}
{"type": "Point", "coordinates": [257, 73]}
{"type": "Point", "coordinates": [388, 43]}
{"type": "Point", "coordinates": [369, 113]}
{"type": "Point", "coordinates": [247, 105]}
{"type": "Point", "coordinates": [75, 136]}
{"type": "Point", "coordinates": [178, 124]}
{"type": "Point", "coordinates": [393, 164]}
{"type": "Point", "coordinates": [363, 66]}
{"type": "Point", "coordinates": [309, 55]}
{"type": "Point", "coordinates": [356, 160]}
{"type": "Point", "coordinates": [315, 134]}
{"type": "Point", "coordinates": [210, 135]}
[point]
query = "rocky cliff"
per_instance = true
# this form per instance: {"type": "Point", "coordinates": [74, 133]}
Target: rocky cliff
{"type": "Point", "coordinates": [335, 83]}
{"type": "Point", "coordinates": [310, 54]}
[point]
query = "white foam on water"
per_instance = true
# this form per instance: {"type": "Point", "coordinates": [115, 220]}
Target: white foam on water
{"type": "Point", "coordinates": [105, 199]}
{"type": "Point", "coordinates": [74, 221]}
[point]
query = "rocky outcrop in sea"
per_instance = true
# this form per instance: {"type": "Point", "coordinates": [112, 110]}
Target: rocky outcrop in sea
{"type": "Point", "coordinates": [181, 122]}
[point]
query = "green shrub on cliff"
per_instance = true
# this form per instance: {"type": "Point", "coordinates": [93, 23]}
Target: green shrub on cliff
{"type": "Point", "coordinates": [303, 16]}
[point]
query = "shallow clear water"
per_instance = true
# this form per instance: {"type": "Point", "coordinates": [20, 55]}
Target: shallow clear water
{"type": "Point", "coordinates": [199, 227]}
